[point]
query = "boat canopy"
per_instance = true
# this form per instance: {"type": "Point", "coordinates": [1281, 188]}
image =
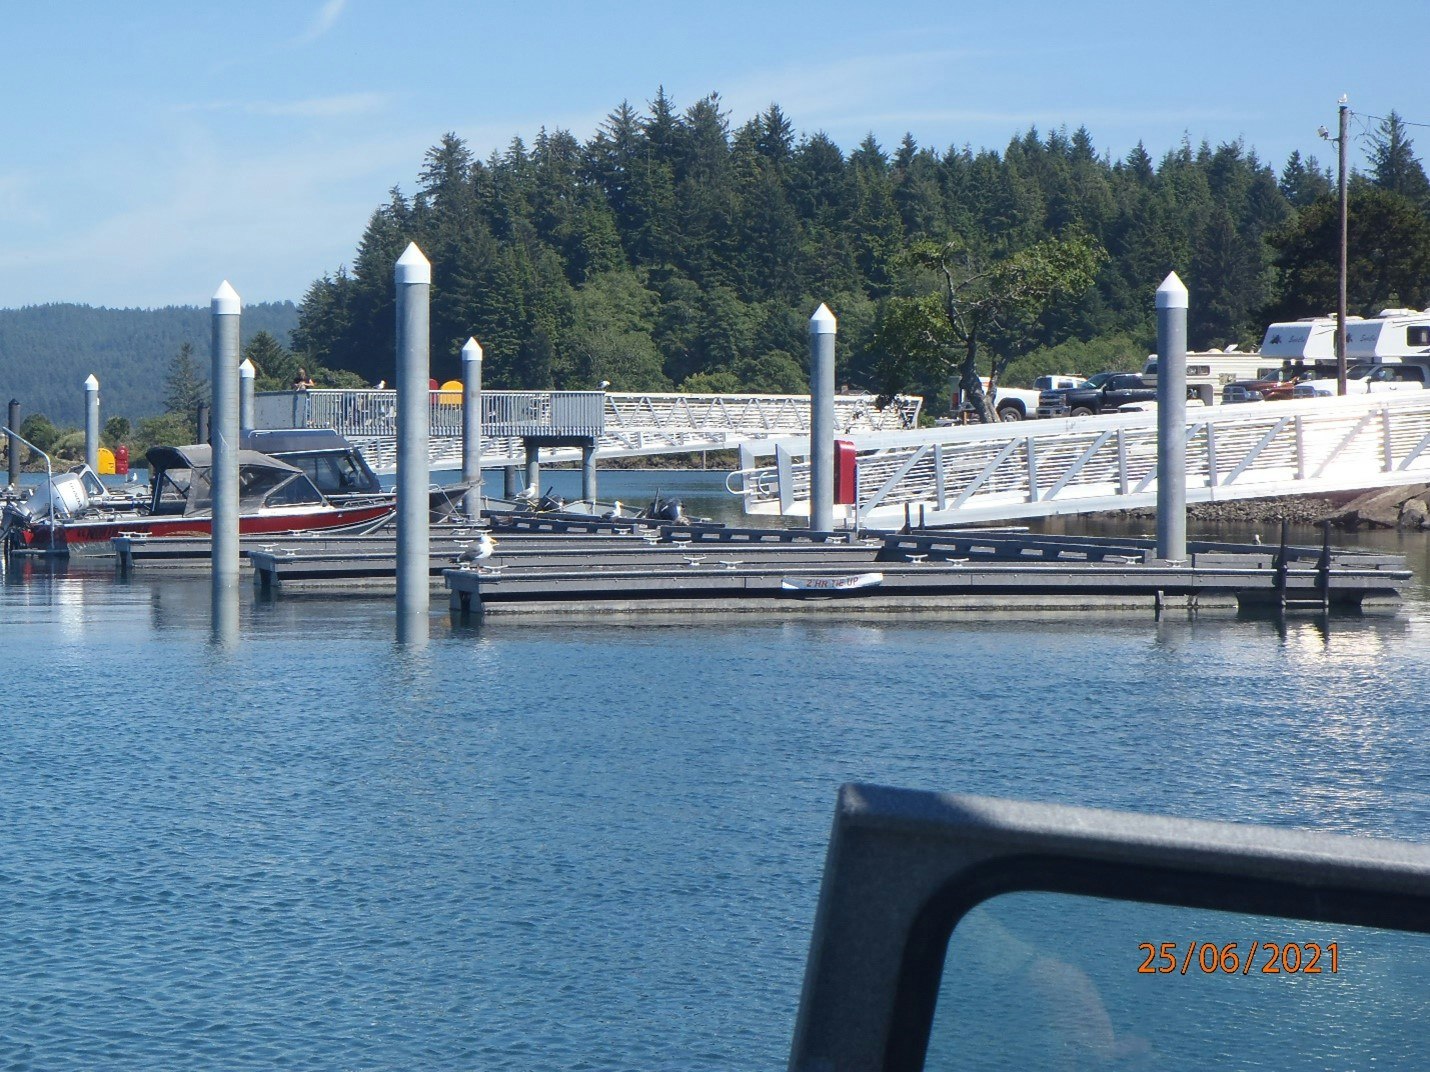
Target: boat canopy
{"type": "Point", "coordinates": [331, 462]}
{"type": "Point", "coordinates": [182, 484]}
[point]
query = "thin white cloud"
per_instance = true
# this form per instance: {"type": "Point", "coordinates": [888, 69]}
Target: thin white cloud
{"type": "Point", "coordinates": [338, 106]}
{"type": "Point", "coordinates": [326, 18]}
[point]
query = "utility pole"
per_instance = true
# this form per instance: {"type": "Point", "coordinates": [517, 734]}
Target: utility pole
{"type": "Point", "coordinates": [1341, 282]}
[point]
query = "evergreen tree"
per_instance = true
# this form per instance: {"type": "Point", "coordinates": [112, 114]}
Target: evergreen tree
{"type": "Point", "coordinates": [274, 366]}
{"type": "Point", "coordinates": [185, 386]}
{"type": "Point", "coordinates": [1302, 182]}
{"type": "Point", "coordinates": [1393, 164]}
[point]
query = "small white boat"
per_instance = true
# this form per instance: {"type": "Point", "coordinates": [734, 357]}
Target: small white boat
{"type": "Point", "coordinates": [817, 587]}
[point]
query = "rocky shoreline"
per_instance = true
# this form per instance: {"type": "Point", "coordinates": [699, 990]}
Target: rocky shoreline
{"type": "Point", "coordinates": [1405, 507]}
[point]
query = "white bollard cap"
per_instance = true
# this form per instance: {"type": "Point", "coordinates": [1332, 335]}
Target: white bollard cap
{"type": "Point", "coordinates": [91, 384]}
{"type": "Point", "coordinates": [1172, 294]}
{"type": "Point", "coordinates": [226, 301]}
{"type": "Point", "coordinates": [472, 350]}
{"type": "Point", "coordinates": [246, 370]}
{"type": "Point", "coordinates": [823, 321]}
{"type": "Point", "coordinates": [413, 267]}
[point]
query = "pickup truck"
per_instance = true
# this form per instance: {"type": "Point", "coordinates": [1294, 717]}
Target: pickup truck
{"type": "Point", "coordinates": [1102, 393]}
{"type": "Point", "coordinates": [1362, 379]}
{"type": "Point", "coordinates": [1021, 404]}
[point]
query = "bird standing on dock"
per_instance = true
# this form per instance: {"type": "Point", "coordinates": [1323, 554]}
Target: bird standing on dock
{"type": "Point", "coordinates": [530, 495]}
{"type": "Point", "coordinates": [485, 548]}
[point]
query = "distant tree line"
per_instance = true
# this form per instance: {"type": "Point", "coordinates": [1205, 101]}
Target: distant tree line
{"type": "Point", "coordinates": [674, 251]}
{"type": "Point", "coordinates": [47, 351]}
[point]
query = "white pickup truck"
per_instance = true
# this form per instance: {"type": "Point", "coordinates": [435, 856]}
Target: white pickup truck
{"type": "Point", "coordinates": [1366, 379]}
{"type": "Point", "coordinates": [1020, 403]}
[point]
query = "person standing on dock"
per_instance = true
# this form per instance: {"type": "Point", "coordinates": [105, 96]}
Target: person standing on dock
{"type": "Point", "coordinates": [301, 382]}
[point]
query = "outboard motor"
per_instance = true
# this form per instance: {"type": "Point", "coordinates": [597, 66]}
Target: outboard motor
{"type": "Point", "coordinates": [666, 510]}
{"type": "Point", "coordinates": [549, 502]}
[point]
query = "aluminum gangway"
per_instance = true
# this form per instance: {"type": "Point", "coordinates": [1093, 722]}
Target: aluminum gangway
{"type": "Point", "coordinates": [621, 424]}
{"type": "Point", "coordinates": [1088, 464]}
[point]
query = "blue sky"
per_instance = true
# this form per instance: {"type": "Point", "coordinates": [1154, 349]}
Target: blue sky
{"type": "Point", "coordinates": [150, 150]}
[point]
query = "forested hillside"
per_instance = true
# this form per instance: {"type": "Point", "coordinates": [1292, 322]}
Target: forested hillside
{"type": "Point", "coordinates": [48, 351]}
{"type": "Point", "coordinates": [672, 250]}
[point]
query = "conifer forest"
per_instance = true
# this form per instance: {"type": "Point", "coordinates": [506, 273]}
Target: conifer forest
{"type": "Point", "coordinates": [678, 250]}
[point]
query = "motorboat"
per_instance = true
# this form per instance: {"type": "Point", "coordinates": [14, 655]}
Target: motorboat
{"type": "Point", "coordinates": [274, 497]}
{"type": "Point", "coordinates": [336, 467]}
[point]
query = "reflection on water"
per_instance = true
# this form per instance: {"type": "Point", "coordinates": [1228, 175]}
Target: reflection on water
{"type": "Point", "coordinates": [1052, 982]}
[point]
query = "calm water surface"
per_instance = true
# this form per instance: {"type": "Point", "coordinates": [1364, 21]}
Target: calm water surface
{"type": "Point", "coordinates": [586, 845]}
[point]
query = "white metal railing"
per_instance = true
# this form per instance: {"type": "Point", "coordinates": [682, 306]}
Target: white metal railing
{"type": "Point", "coordinates": [622, 424]}
{"type": "Point", "coordinates": [1079, 465]}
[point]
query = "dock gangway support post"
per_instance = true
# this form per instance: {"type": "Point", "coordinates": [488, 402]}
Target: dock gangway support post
{"type": "Point", "coordinates": [414, 362]}
{"type": "Point", "coordinates": [1172, 420]}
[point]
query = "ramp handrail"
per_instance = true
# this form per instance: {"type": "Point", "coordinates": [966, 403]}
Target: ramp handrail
{"type": "Point", "coordinates": [621, 423]}
{"type": "Point", "coordinates": [1090, 464]}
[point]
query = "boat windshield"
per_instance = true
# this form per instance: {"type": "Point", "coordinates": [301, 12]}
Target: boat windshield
{"type": "Point", "coordinates": [259, 487]}
{"type": "Point", "coordinates": [171, 491]}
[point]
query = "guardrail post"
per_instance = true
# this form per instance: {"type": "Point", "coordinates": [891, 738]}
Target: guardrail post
{"type": "Point", "coordinates": [414, 412]}
{"type": "Point", "coordinates": [1172, 420]}
{"type": "Point", "coordinates": [226, 310]}
{"type": "Point", "coordinates": [822, 327]}
{"type": "Point", "coordinates": [472, 428]}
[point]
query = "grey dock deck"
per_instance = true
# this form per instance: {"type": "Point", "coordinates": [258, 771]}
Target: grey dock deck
{"type": "Point", "coordinates": [555, 557]}
{"type": "Point", "coordinates": [929, 585]}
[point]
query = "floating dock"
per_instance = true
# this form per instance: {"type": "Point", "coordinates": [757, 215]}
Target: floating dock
{"type": "Point", "coordinates": [567, 564]}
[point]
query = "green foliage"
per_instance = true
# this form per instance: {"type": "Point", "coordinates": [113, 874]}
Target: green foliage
{"type": "Point", "coordinates": [185, 386]}
{"type": "Point", "coordinates": [679, 247]}
{"type": "Point", "coordinates": [170, 430]}
{"type": "Point", "coordinates": [1393, 165]}
{"type": "Point", "coordinates": [68, 446]}
{"type": "Point", "coordinates": [1080, 357]}
{"type": "Point", "coordinates": [978, 300]}
{"type": "Point", "coordinates": [117, 430]}
{"type": "Point", "coordinates": [39, 430]}
{"type": "Point", "coordinates": [1388, 262]}
{"type": "Point", "coordinates": [686, 246]}
{"type": "Point", "coordinates": [273, 365]}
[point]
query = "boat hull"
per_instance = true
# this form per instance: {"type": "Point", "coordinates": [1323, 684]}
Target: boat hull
{"type": "Point", "coordinates": [93, 537]}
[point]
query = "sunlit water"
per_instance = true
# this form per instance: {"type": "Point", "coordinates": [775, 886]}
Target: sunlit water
{"type": "Point", "coordinates": [582, 845]}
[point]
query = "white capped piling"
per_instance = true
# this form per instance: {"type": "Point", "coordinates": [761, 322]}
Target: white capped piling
{"type": "Point", "coordinates": [588, 475]}
{"type": "Point", "coordinates": [226, 309]}
{"type": "Point", "coordinates": [14, 451]}
{"type": "Point", "coordinates": [1172, 420]}
{"type": "Point", "coordinates": [472, 428]}
{"type": "Point", "coordinates": [91, 422]}
{"type": "Point", "coordinates": [246, 397]}
{"type": "Point", "coordinates": [822, 327]}
{"type": "Point", "coordinates": [414, 293]}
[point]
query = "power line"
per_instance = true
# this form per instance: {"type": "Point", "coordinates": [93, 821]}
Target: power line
{"type": "Point", "coordinates": [1386, 119]}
